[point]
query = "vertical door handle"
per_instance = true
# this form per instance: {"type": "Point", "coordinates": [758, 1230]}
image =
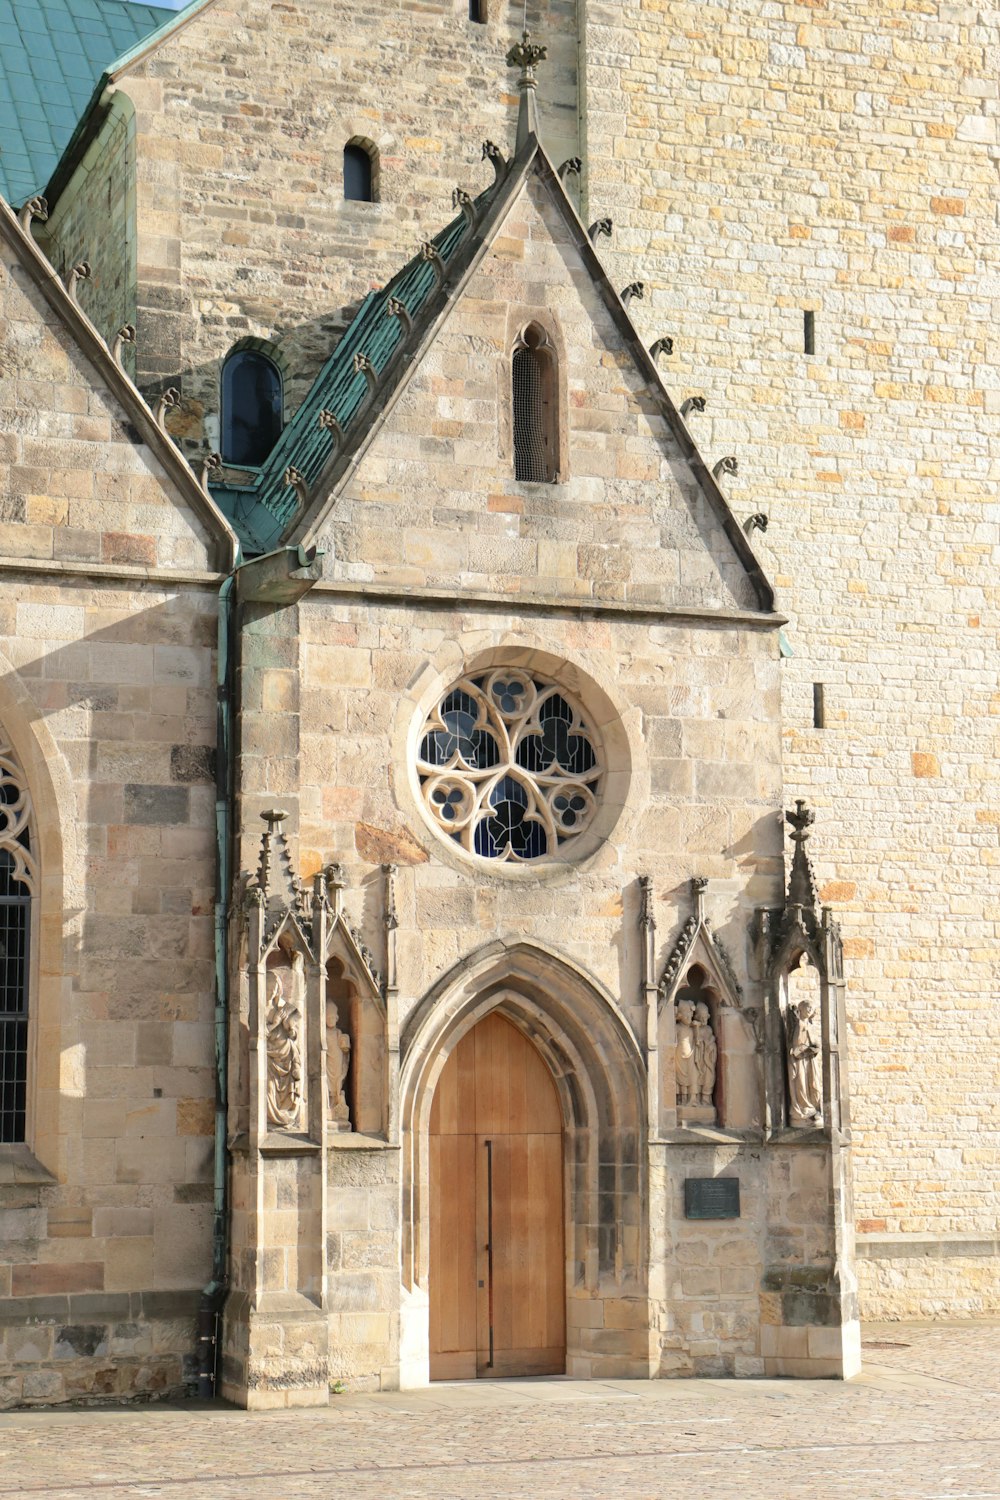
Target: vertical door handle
{"type": "Point", "coordinates": [489, 1242]}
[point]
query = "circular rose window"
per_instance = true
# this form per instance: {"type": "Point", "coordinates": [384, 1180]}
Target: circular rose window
{"type": "Point", "coordinates": [509, 766]}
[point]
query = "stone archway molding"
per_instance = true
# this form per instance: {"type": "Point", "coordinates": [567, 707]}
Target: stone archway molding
{"type": "Point", "coordinates": [600, 1076]}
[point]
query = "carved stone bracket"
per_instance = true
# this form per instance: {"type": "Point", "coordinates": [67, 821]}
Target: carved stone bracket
{"type": "Point", "coordinates": [497, 161]}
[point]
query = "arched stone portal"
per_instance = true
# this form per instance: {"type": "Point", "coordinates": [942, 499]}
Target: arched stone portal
{"type": "Point", "coordinates": [599, 1076]}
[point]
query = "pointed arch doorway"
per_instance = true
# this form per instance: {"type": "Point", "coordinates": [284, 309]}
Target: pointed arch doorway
{"type": "Point", "coordinates": [497, 1262]}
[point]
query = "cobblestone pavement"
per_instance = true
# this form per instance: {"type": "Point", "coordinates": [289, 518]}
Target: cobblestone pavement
{"type": "Point", "coordinates": [922, 1421]}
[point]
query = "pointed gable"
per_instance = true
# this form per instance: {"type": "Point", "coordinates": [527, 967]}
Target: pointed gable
{"type": "Point", "coordinates": [420, 490]}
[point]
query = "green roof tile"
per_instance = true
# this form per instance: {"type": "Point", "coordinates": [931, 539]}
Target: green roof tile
{"type": "Point", "coordinates": [52, 54]}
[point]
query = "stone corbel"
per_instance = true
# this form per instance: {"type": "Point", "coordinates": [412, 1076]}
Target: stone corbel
{"type": "Point", "coordinates": [328, 423]}
{"type": "Point", "coordinates": [460, 199]}
{"type": "Point", "coordinates": [168, 400]}
{"type": "Point", "coordinates": [497, 161]}
{"type": "Point", "coordinates": [124, 336]}
{"type": "Point", "coordinates": [34, 208]}
{"type": "Point", "coordinates": [79, 272]}
{"type": "Point", "coordinates": [430, 252]}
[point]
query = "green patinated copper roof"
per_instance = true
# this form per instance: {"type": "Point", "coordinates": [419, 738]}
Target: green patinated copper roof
{"type": "Point", "coordinates": [260, 511]}
{"type": "Point", "coordinates": [52, 54]}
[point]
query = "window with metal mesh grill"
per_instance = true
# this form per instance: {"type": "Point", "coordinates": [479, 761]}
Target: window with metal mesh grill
{"type": "Point", "coordinates": [15, 911]}
{"type": "Point", "coordinates": [531, 381]}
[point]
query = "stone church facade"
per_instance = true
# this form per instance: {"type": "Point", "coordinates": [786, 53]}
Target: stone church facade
{"type": "Point", "coordinates": [404, 967]}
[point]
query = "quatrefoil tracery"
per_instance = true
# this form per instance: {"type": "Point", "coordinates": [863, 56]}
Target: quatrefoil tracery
{"type": "Point", "coordinates": [509, 767]}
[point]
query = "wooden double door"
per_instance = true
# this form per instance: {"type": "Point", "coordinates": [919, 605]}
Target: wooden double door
{"type": "Point", "coordinates": [497, 1250]}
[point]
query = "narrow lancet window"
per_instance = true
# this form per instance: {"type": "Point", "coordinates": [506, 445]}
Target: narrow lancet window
{"type": "Point", "coordinates": [533, 400]}
{"type": "Point", "coordinates": [359, 173]}
{"type": "Point", "coordinates": [251, 407]}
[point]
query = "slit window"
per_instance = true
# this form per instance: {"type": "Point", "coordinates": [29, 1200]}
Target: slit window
{"type": "Point", "coordinates": [809, 332]}
{"type": "Point", "coordinates": [477, 12]}
{"type": "Point", "coordinates": [533, 399]}
{"type": "Point", "coordinates": [819, 706]}
{"type": "Point", "coordinates": [251, 407]}
{"type": "Point", "coordinates": [359, 176]}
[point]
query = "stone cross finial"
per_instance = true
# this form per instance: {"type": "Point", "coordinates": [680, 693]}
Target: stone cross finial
{"type": "Point", "coordinates": [801, 885]}
{"type": "Point", "coordinates": [524, 55]}
{"type": "Point", "coordinates": [699, 885]}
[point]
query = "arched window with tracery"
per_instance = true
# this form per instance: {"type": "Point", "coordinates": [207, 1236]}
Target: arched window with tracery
{"type": "Point", "coordinates": [251, 407]}
{"type": "Point", "coordinates": [361, 178]}
{"type": "Point", "coordinates": [17, 887]}
{"type": "Point", "coordinates": [534, 407]}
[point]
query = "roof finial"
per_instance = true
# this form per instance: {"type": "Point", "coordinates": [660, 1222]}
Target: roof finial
{"type": "Point", "coordinates": [524, 55]}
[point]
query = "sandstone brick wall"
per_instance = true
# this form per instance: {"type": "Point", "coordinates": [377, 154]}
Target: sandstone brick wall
{"type": "Point", "coordinates": [109, 704]}
{"type": "Point", "coordinates": [843, 159]}
{"type": "Point", "coordinates": [243, 227]}
{"type": "Point", "coordinates": [77, 483]}
{"type": "Point", "coordinates": [832, 158]}
{"type": "Point", "coordinates": [107, 697]}
{"type": "Point", "coordinates": [94, 220]}
{"type": "Point", "coordinates": [435, 502]}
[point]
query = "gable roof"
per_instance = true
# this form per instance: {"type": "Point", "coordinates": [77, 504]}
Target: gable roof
{"type": "Point", "coordinates": [52, 53]}
{"type": "Point", "coordinates": [394, 352]}
{"type": "Point", "coordinates": [260, 511]}
{"type": "Point", "coordinates": [92, 346]}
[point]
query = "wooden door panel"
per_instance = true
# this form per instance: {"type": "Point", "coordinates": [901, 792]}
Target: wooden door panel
{"type": "Point", "coordinates": [455, 1249]}
{"type": "Point", "coordinates": [496, 1091]}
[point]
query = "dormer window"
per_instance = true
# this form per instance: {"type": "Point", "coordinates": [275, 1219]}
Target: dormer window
{"type": "Point", "coordinates": [251, 407]}
{"type": "Point", "coordinates": [534, 407]}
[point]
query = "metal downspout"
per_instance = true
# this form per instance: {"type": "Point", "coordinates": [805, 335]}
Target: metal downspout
{"type": "Point", "coordinates": [210, 1308]}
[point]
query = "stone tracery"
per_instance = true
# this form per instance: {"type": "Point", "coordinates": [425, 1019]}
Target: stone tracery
{"type": "Point", "coordinates": [510, 767]}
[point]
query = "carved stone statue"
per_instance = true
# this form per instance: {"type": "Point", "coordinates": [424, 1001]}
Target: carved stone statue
{"type": "Point", "coordinates": [805, 1087]}
{"type": "Point", "coordinates": [338, 1057]}
{"type": "Point", "coordinates": [706, 1053]}
{"type": "Point", "coordinates": [685, 1070]}
{"type": "Point", "coordinates": [284, 1047]}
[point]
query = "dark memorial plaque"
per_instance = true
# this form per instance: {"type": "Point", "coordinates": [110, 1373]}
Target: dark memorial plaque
{"type": "Point", "coordinates": [712, 1198]}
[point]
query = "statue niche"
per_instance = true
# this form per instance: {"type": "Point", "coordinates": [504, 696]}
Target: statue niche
{"type": "Point", "coordinates": [355, 1055]}
{"type": "Point", "coordinates": [803, 1045]}
{"type": "Point", "coordinates": [285, 993]}
{"type": "Point", "coordinates": [696, 1050]}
